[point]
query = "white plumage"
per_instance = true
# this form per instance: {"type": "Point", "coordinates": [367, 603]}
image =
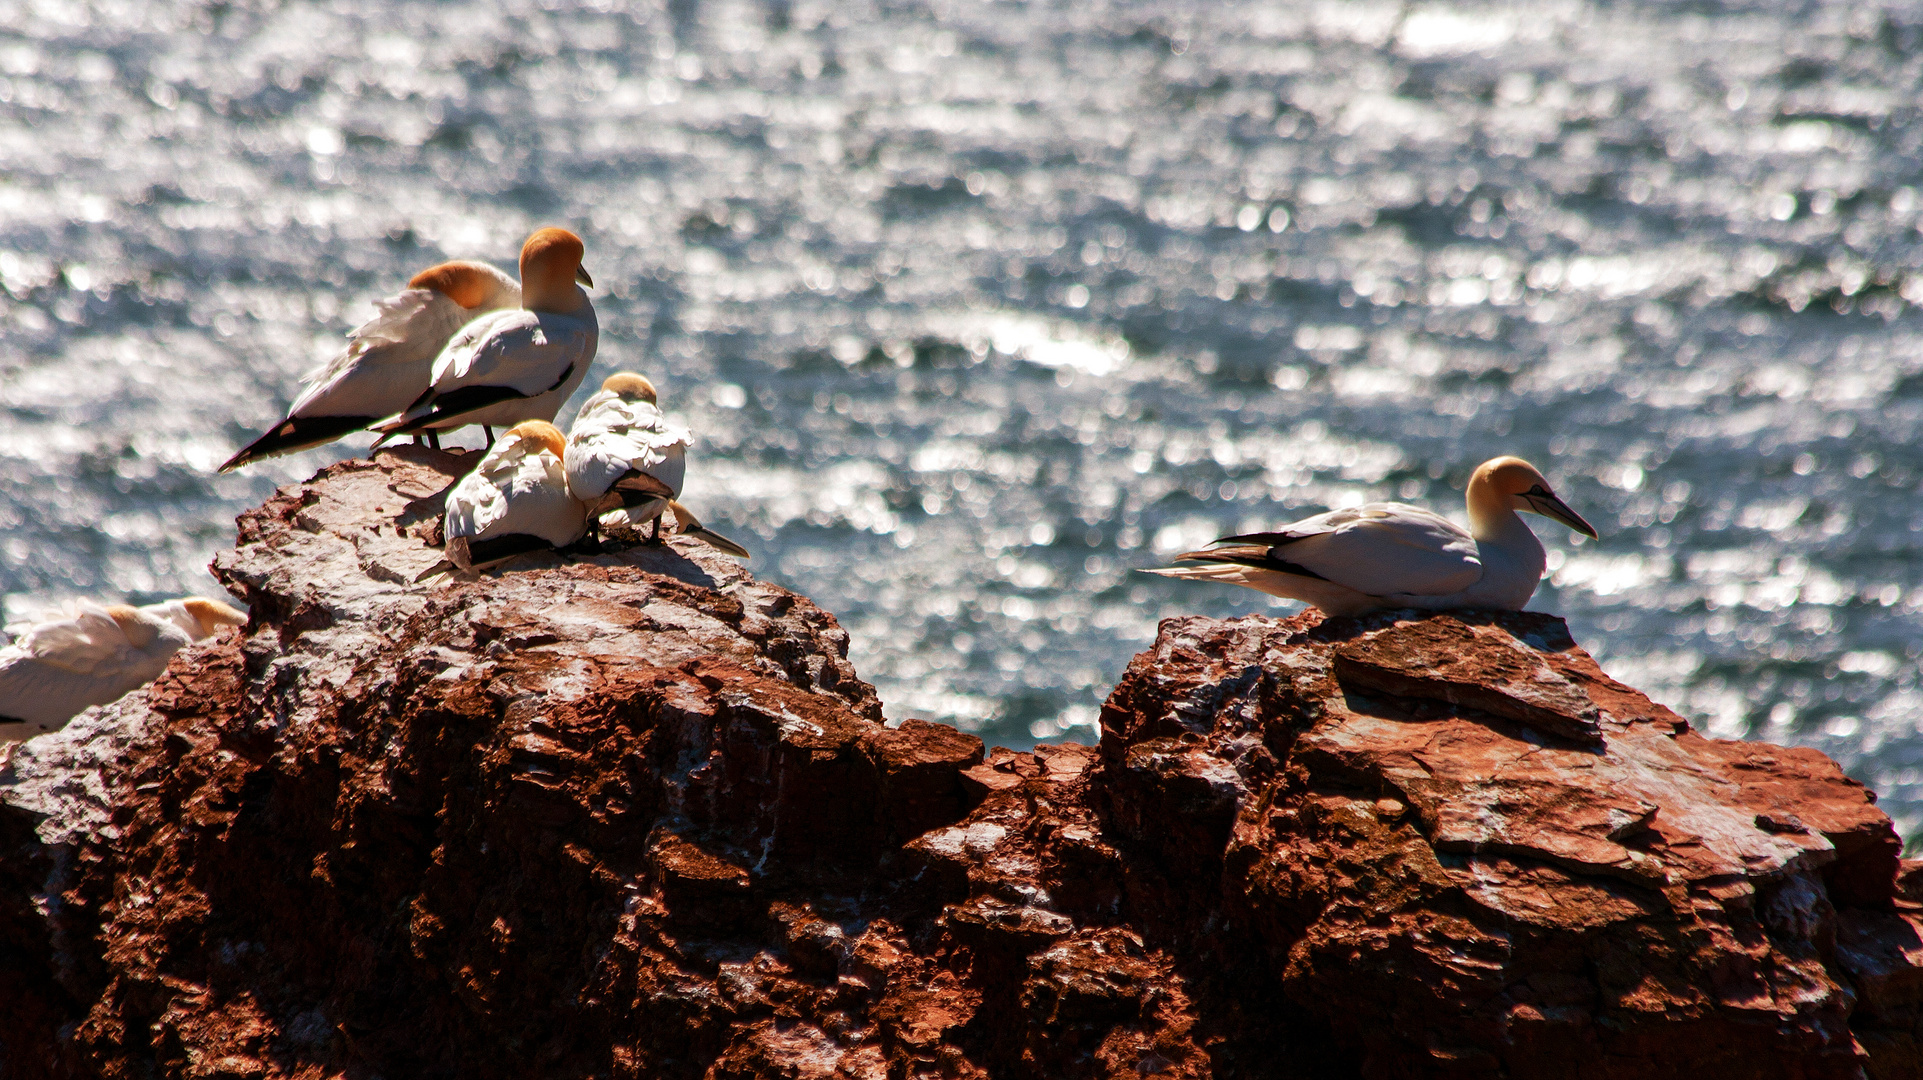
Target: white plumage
{"type": "Point", "coordinates": [1387, 555]}
{"type": "Point", "coordinates": [94, 656]}
{"type": "Point", "coordinates": [389, 359]}
{"type": "Point", "coordinates": [519, 364]}
{"type": "Point", "coordinates": [516, 500]}
{"type": "Point", "coordinates": [622, 453]}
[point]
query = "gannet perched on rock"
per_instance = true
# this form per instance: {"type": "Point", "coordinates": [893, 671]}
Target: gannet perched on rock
{"type": "Point", "coordinates": [519, 364]}
{"type": "Point", "coordinates": [624, 455]}
{"type": "Point", "coordinates": [389, 359]}
{"type": "Point", "coordinates": [95, 656]}
{"type": "Point", "coordinates": [515, 501]}
{"type": "Point", "coordinates": [1390, 555]}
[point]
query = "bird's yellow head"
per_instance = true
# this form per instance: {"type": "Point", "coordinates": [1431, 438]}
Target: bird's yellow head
{"type": "Point", "coordinates": [631, 386]}
{"type": "Point", "coordinates": [140, 633]}
{"type": "Point", "coordinates": [1508, 476]}
{"type": "Point", "coordinates": [212, 614]}
{"type": "Point", "coordinates": [468, 284]}
{"type": "Point", "coordinates": [539, 435]}
{"type": "Point", "coordinates": [1514, 483]}
{"type": "Point", "coordinates": [550, 267]}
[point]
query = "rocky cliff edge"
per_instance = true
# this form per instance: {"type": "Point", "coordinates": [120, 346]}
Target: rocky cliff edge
{"type": "Point", "coordinates": [634, 815]}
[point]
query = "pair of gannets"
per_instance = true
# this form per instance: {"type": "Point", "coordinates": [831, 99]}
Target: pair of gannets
{"type": "Point", "coordinates": [95, 656]}
{"type": "Point", "coordinates": [464, 344]}
{"type": "Point", "coordinates": [535, 490]}
{"type": "Point", "coordinates": [1391, 555]}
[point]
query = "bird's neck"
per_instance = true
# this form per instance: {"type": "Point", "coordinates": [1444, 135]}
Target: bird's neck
{"type": "Point", "coordinates": [555, 297]}
{"type": "Point", "coordinates": [1511, 554]}
{"type": "Point", "coordinates": [1491, 516]}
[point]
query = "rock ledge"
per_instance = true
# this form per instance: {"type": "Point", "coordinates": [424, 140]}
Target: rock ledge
{"type": "Point", "coordinates": [635, 815]}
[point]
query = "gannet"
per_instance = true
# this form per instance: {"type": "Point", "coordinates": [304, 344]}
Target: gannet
{"type": "Point", "coordinates": [691, 526]}
{"type": "Point", "coordinates": [515, 501]}
{"type": "Point", "coordinates": [95, 656]}
{"type": "Point", "coordinates": [389, 359]}
{"type": "Point", "coordinates": [1390, 555]}
{"type": "Point", "coordinates": [623, 454]}
{"type": "Point", "coordinates": [519, 364]}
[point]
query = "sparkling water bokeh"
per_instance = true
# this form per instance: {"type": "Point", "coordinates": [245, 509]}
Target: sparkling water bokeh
{"type": "Point", "coordinates": [978, 307]}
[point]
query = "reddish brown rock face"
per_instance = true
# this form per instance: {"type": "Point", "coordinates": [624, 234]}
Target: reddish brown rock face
{"type": "Point", "coordinates": [634, 815]}
{"type": "Point", "coordinates": [1467, 851]}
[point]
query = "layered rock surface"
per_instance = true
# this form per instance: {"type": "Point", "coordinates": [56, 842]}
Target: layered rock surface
{"type": "Point", "coordinates": [634, 815]}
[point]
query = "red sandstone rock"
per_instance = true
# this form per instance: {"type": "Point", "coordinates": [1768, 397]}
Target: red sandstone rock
{"type": "Point", "coordinates": [634, 815]}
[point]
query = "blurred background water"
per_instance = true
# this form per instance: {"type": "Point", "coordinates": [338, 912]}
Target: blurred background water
{"type": "Point", "coordinates": [977, 307]}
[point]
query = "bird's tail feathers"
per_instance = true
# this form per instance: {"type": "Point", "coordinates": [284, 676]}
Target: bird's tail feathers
{"type": "Point", "coordinates": [296, 433]}
{"type": "Point", "coordinates": [1227, 573]}
{"type": "Point", "coordinates": [717, 541]}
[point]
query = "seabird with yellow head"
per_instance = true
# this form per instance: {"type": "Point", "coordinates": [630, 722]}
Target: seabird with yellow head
{"type": "Point", "coordinates": [1391, 555]}
{"type": "Point", "coordinates": [389, 359]}
{"type": "Point", "coordinates": [515, 365]}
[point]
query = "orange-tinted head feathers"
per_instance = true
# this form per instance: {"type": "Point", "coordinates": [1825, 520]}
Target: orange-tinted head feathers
{"type": "Point", "coordinates": [550, 265]}
{"type": "Point", "coordinates": [466, 283]}
{"type": "Point", "coordinates": [212, 614]}
{"type": "Point", "coordinates": [1501, 486]}
{"type": "Point", "coordinates": [630, 385]}
{"type": "Point", "coordinates": [139, 631]}
{"type": "Point", "coordinates": [541, 433]}
{"type": "Point", "coordinates": [1509, 475]}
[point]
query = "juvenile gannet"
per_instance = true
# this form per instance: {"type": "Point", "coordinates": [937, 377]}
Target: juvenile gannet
{"type": "Point", "coordinates": [623, 454]}
{"type": "Point", "coordinates": [1390, 555]}
{"type": "Point", "coordinates": [691, 526]}
{"type": "Point", "coordinates": [95, 656]}
{"type": "Point", "coordinates": [389, 359]}
{"type": "Point", "coordinates": [519, 364]}
{"type": "Point", "coordinates": [515, 501]}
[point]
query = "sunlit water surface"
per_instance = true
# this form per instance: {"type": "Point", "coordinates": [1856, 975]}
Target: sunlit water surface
{"type": "Point", "coordinates": [978, 307]}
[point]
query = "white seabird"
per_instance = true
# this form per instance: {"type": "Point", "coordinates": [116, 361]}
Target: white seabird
{"type": "Point", "coordinates": [624, 455]}
{"type": "Point", "coordinates": [515, 501]}
{"type": "Point", "coordinates": [389, 359]}
{"type": "Point", "coordinates": [1391, 555]}
{"type": "Point", "coordinates": [519, 364]}
{"type": "Point", "coordinates": [96, 656]}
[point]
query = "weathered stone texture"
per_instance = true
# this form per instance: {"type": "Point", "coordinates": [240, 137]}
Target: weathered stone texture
{"type": "Point", "coordinates": [635, 815]}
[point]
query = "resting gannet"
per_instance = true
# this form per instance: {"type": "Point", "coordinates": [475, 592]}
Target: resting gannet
{"type": "Point", "coordinates": [623, 454]}
{"type": "Point", "coordinates": [389, 359]}
{"type": "Point", "coordinates": [95, 656]}
{"type": "Point", "coordinates": [519, 364]}
{"type": "Point", "coordinates": [1390, 555]}
{"type": "Point", "coordinates": [691, 526]}
{"type": "Point", "coordinates": [515, 501]}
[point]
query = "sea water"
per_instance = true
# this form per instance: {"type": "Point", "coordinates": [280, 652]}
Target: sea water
{"type": "Point", "coordinates": [977, 308]}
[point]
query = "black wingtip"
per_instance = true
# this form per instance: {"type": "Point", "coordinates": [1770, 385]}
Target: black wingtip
{"type": "Point", "coordinates": [1259, 560]}
{"type": "Point", "coordinates": [296, 433]}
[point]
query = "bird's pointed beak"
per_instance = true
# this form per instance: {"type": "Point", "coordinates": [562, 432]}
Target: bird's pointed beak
{"type": "Point", "coordinates": [1546, 504]}
{"type": "Point", "coordinates": [581, 275]}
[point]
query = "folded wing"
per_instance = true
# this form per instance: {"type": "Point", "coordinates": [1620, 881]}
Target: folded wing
{"type": "Point", "coordinates": [498, 358]}
{"type": "Point", "coordinates": [628, 445]}
{"type": "Point", "coordinates": [1380, 549]}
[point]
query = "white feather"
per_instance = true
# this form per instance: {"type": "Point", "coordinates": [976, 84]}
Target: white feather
{"type": "Point", "coordinates": [541, 355]}
{"type": "Point", "coordinates": [519, 487]}
{"type": "Point", "coordinates": [612, 435]}
{"type": "Point", "coordinates": [60, 667]}
{"type": "Point", "coordinates": [389, 359]}
{"type": "Point", "coordinates": [1385, 548]}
